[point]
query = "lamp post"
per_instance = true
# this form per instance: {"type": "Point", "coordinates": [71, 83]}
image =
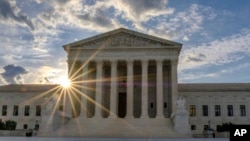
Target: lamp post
{"type": "Point", "coordinates": [209, 125]}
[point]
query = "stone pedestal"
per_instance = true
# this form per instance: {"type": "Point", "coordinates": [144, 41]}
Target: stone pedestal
{"type": "Point", "coordinates": [181, 124]}
{"type": "Point", "coordinates": [180, 118]}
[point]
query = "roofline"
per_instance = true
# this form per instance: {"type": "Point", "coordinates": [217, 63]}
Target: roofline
{"type": "Point", "coordinates": [98, 36]}
{"type": "Point", "coordinates": [214, 87]}
{"type": "Point", "coordinates": [27, 87]}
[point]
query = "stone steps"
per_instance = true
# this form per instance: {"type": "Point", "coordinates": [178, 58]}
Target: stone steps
{"type": "Point", "coordinates": [117, 127]}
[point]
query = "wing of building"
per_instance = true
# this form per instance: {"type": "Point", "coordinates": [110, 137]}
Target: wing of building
{"type": "Point", "coordinates": [124, 84]}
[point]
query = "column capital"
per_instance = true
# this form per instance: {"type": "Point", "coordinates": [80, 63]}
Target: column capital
{"type": "Point", "coordinates": [144, 61]}
{"type": "Point", "coordinates": [130, 61]}
{"type": "Point", "coordinates": [174, 62]}
{"type": "Point", "coordinates": [159, 61]}
{"type": "Point", "coordinates": [99, 61]}
{"type": "Point", "coordinates": [113, 61]}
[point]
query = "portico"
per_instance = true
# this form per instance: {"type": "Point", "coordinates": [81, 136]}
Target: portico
{"type": "Point", "coordinates": [140, 80]}
{"type": "Point", "coordinates": [126, 75]}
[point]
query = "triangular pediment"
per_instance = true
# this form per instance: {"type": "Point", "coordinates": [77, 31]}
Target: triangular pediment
{"type": "Point", "coordinates": [122, 38]}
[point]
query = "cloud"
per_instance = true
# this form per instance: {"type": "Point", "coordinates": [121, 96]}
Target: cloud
{"type": "Point", "coordinates": [75, 14]}
{"type": "Point", "coordinates": [44, 80]}
{"type": "Point", "coordinates": [44, 74]}
{"type": "Point", "coordinates": [97, 17]}
{"type": "Point", "coordinates": [198, 58]}
{"type": "Point", "coordinates": [7, 12]}
{"type": "Point", "coordinates": [182, 25]}
{"type": "Point", "coordinates": [141, 10]}
{"type": "Point", "coordinates": [196, 75]}
{"type": "Point", "coordinates": [217, 52]}
{"type": "Point", "coordinates": [13, 74]}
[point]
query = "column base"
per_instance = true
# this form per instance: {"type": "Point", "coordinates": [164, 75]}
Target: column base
{"type": "Point", "coordinates": [129, 117]}
{"type": "Point", "coordinates": [160, 117]}
{"type": "Point", "coordinates": [144, 116]}
{"type": "Point", "coordinates": [113, 116]}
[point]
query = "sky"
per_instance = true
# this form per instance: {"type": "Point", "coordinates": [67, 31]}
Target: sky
{"type": "Point", "coordinates": [215, 35]}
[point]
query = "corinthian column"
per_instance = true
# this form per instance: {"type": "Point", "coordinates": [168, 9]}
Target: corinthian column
{"type": "Point", "coordinates": [84, 90]}
{"type": "Point", "coordinates": [113, 95]}
{"type": "Point", "coordinates": [174, 84]}
{"type": "Point", "coordinates": [144, 87]}
{"type": "Point", "coordinates": [130, 90]}
{"type": "Point", "coordinates": [159, 89]}
{"type": "Point", "coordinates": [98, 95]}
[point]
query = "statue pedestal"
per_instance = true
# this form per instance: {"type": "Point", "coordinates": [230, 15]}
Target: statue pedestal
{"type": "Point", "coordinates": [180, 117]}
{"type": "Point", "coordinates": [181, 124]}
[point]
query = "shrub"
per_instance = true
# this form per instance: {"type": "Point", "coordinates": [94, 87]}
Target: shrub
{"type": "Point", "coordinates": [2, 125]}
{"type": "Point", "coordinates": [225, 127]}
{"type": "Point", "coordinates": [10, 125]}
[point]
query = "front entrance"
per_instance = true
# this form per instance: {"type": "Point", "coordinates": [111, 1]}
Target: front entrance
{"type": "Point", "coordinates": [122, 104]}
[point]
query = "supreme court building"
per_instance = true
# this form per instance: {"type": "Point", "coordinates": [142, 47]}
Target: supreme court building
{"type": "Point", "coordinates": [125, 85]}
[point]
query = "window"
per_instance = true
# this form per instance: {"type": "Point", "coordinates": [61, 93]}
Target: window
{"type": "Point", "coordinates": [15, 110]}
{"type": "Point", "coordinates": [230, 110]}
{"type": "Point", "coordinates": [25, 126]}
{"type": "Point", "coordinates": [61, 108]}
{"type": "Point", "coordinates": [193, 127]}
{"type": "Point", "coordinates": [38, 110]}
{"type": "Point", "coordinates": [217, 110]}
{"type": "Point", "coordinates": [26, 110]}
{"type": "Point", "coordinates": [205, 110]}
{"type": "Point", "coordinates": [4, 110]}
{"type": "Point", "coordinates": [192, 110]}
{"type": "Point", "coordinates": [205, 127]}
{"type": "Point", "coordinates": [242, 110]}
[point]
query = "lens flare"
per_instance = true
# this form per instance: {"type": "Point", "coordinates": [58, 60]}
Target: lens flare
{"type": "Point", "coordinates": [65, 83]}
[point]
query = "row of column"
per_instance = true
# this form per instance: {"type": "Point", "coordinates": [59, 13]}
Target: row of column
{"type": "Point", "coordinates": [130, 76]}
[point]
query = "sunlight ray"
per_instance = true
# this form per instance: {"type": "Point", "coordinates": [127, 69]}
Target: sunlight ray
{"type": "Point", "coordinates": [93, 101]}
{"type": "Point", "coordinates": [39, 96]}
{"type": "Point", "coordinates": [73, 76]}
{"type": "Point", "coordinates": [54, 109]}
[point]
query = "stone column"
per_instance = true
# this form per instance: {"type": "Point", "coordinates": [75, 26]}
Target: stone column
{"type": "Point", "coordinates": [84, 90]}
{"type": "Point", "coordinates": [130, 88]}
{"type": "Point", "coordinates": [144, 87]}
{"type": "Point", "coordinates": [113, 92]}
{"type": "Point", "coordinates": [159, 88]}
{"type": "Point", "coordinates": [98, 94]}
{"type": "Point", "coordinates": [76, 77]}
{"type": "Point", "coordinates": [174, 82]}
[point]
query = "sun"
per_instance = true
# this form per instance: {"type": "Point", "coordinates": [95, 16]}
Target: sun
{"type": "Point", "coordinates": [65, 82]}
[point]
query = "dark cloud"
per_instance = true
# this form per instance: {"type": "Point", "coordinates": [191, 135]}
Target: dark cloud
{"type": "Point", "coordinates": [6, 12]}
{"type": "Point", "coordinates": [98, 17]}
{"type": "Point", "coordinates": [139, 6]}
{"type": "Point", "coordinates": [12, 74]}
{"type": "Point", "coordinates": [62, 2]}
{"type": "Point", "coordinates": [45, 80]}
{"type": "Point", "coordinates": [200, 57]}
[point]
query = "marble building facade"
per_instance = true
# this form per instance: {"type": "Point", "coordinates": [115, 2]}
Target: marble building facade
{"type": "Point", "coordinates": [125, 85]}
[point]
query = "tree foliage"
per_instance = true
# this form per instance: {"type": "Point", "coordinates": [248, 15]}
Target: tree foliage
{"type": "Point", "coordinates": [8, 125]}
{"type": "Point", "coordinates": [225, 127]}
